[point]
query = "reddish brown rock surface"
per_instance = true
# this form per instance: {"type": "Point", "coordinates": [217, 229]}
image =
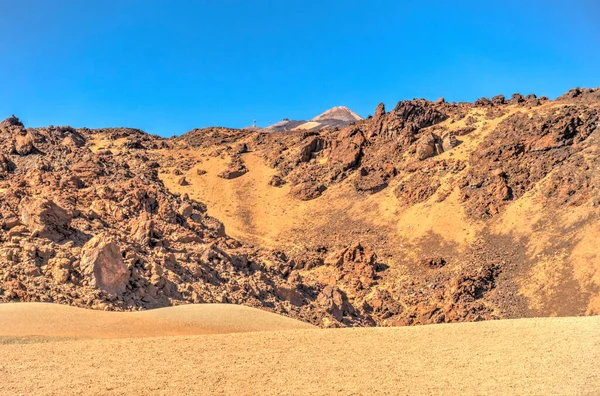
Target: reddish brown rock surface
{"type": "Point", "coordinates": [102, 263]}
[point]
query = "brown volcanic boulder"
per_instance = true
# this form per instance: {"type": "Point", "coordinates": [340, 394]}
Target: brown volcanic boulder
{"type": "Point", "coordinates": [313, 144]}
{"type": "Point", "coordinates": [59, 268]}
{"type": "Point", "coordinates": [277, 181]}
{"type": "Point", "coordinates": [44, 218]}
{"type": "Point", "coordinates": [236, 169]}
{"type": "Point", "coordinates": [307, 191]}
{"type": "Point", "coordinates": [516, 98]}
{"type": "Point", "coordinates": [75, 140]}
{"type": "Point", "coordinates": [22, 141]}
{"type": "Point", "coordinates": [142, 230]}
{"type": "Point", "coordinates": [232, 173]}
{"type": "Point", "coordinates": [355, 262]}
{"type": "Point", "coordinates": [499, 100]}
{"type": "Point", "coordinates": [346, 149]}
{"type": "Point", "coordinates": [335, 302]}
{"type": "Point", "coordinates": [182, 181]}
{"type": "Point", "coordinates": [24, 144]}
{"type": "Point", "coordinates": [102, 263]}
{"type": "Point", "coordinates": [289, 293]}
{"type": "Point", "coordinates": [5, 166]}
{"type": "Point", "coordinates": [429, 145]}
{"type": "Point", "coordinates": [449, 142]}
{"type": "Point", "coordinates": [11, 121]}
{"type": "Point", "coordinates": [370, 181]}
{"type": "Point", "coordinates": [240, 148]}
{"type": "Point", "coordinates": [407, 118]}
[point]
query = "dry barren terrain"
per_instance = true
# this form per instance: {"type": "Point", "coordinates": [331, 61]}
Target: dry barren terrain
{"type": "Point", "coordinates": [428, 212]}
{"type": "Point", "coordinates": [523, 356]}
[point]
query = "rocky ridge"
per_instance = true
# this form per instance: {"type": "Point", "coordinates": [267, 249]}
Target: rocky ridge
{"type": "Point", "coordinates": [86, 220]}
{"type": "Point", "coordinates": [484, 158]}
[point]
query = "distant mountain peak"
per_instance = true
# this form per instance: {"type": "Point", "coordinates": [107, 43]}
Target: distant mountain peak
{"type": "Point", "coordinates": [341, 113]}
{"type": "Point", "coordinates": [339, 116]}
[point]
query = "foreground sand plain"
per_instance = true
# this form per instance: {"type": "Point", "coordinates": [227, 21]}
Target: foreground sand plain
{"type": "Point", "coordinates": [226, 349]}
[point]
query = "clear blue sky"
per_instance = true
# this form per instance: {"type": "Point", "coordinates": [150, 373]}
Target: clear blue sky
{"type": "Point", "coordinates": [169, 66]}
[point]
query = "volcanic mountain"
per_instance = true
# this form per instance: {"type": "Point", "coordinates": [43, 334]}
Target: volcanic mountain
{"type": "Point", "coordinates": [428, 213]}
{"type": "Point", "coordinates": [335, 117]}
{"type": "Point", "coordinates": [340, 113]}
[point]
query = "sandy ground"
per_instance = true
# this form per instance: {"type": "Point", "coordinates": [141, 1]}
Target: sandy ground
{"type": "Point", "coordinates": [525, 356]}
{"type": "Point", "coordinates": [51, 320]}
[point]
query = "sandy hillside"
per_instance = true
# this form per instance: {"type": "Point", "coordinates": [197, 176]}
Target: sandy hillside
{"type": "Point", "coordinates": [525, 356]}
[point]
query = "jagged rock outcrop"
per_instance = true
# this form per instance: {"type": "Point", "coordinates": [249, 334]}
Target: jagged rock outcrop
{"type": "Point", "coordinates": [84, 228]}
{"type": "Point", "coordinates": [314, 143]}
{"type": "Point", "coordinates": [346, 149]}
{"type": "Point", "coordinates": [522, 151]}
{"type": "Point", "coordinates": [356, 264]}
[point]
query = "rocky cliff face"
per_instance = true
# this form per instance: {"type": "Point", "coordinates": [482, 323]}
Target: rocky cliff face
{"type": "Point", "coordinates": [431, 212]}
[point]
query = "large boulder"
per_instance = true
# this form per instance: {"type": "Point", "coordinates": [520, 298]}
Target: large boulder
{"type": "Point", "coordinates": [449, 142]}
{"type": "Point", "coordinates": [44, 218]}
{"type": "Point", "coordinates": [277, 181]}
{"type": "Point", "coordinates": [347, 148]}
{"type": "Point", "coordinates": [289, 293]}
{"type": "Point", "coordinates": [236, 169]}
{"type": "Point", "coordinates": [429, 145]}
{"type": "Point", "coordinates": [102, 264]}
{"type": "Point", "coordinates": [335, 302]}
{"type": "Point", "coordinates": [517, 98]}
{"type": "Point", "coordinates": [22, 140]}
{"type": "Point", "coordinates": [10, 122]}
{"type": "Point", "coordinates": [408, 118]}
{"type": "Point", "coordinates": [307, 191]}
{"type": "Point", "coordinates": [24, 143]}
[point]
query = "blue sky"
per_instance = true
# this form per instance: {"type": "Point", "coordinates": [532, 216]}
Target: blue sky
{"type": "Point", "coordinates": [170, 66]}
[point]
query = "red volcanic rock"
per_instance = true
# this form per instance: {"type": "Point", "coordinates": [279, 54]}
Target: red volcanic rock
{"type": "Point", "coordinates": [335, 302]}
{"type": "Point", "coordinates": [347, 148]}
{"type": "Point", "coordinates": [307, 191]}
{"type": "Point", "coordinates": [429, 145]}
{"type": "Point", "coordinates": [102, 264]}
{"type": "Point", "coordinates": [236, 169]}
{"type": "Point", "coordinates": [24, 144]}
{"type": "Point", "coordinates": [44, 218]}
